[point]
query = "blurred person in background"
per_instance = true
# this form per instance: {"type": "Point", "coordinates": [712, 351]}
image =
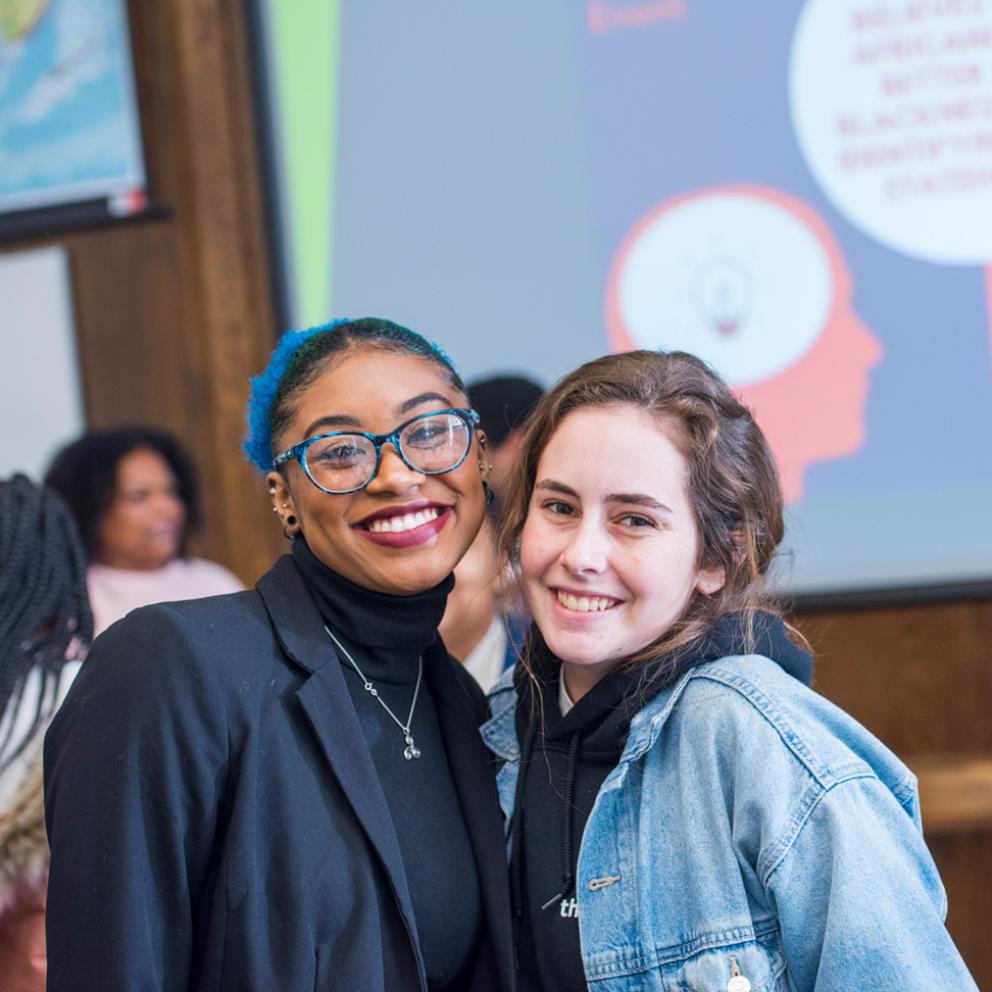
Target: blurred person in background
{"type": "Point", "coordinates": [503, 403]}
{"type": "Point", "coordinates": [45, 626]}
{"type": "Point", "coordinates": [481, 626]}
{"type": "Point", "coordinates": [133, 492]}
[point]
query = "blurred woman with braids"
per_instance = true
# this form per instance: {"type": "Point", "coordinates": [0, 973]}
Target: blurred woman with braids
{"type": "Point", "coordinates": [45, 626]}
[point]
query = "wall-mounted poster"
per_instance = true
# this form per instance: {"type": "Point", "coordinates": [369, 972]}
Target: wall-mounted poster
{"type": "Point", "coordinates": [70, 136]}
{"type": "Point", "coordinates": [799, 191]}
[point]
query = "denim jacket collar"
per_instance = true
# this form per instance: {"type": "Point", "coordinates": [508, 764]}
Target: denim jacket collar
{"type": "Point", "coordinates": [500, 735]}
{"type": "Point", "coordinates": [499, 732]}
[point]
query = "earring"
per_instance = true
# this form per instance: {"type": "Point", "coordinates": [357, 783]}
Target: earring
{"type": "Point", "coordinates": [290, 521]}
{"type": "Point", "coordinates": [488, 491]}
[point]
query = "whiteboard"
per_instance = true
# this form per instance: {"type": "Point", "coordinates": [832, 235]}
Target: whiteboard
{"type": "Point", "coordinates": [41, 403]}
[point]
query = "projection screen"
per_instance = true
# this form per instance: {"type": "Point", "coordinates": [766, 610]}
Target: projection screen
{"type": "Point", "coordinates": [800, 193]}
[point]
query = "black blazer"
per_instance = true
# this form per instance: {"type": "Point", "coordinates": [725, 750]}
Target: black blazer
{"type": "Point", "coordinates": [215, 819]}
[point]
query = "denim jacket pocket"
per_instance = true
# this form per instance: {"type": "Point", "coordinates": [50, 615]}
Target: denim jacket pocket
{"type": "Point", "coordinates": [757, 966]}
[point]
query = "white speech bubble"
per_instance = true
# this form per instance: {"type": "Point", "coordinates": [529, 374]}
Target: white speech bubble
{"type": "Point", "coordinates": [734, 277]}
{"type": "Point", "coordinates": [892, 108]}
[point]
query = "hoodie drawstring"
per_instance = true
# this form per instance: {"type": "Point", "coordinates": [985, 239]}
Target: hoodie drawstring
{"type": "Point", "coordinates": [516, 835]}
{"type": "Point", "coordinates": [567, 875]}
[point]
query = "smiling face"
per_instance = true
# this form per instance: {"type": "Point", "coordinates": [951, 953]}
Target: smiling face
{"type": "Point", "coordinates": [142, 528]}
{"type": "Point", "coordinates": [405, 531]}
{"type": "Point", "coordinates": [609, 550]}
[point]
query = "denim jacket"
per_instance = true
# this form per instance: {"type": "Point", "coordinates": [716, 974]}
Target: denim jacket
{"type": "Point", "coordinates": [753, 837]}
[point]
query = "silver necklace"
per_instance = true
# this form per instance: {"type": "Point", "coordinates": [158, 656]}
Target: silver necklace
{"type": "Point", "coordinates": [411, 750]}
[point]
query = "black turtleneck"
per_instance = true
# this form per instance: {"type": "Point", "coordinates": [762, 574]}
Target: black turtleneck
{"type": "Point", "coordinates": [565, 760]}
{"type": "Point", "coordinates": [387, 636]}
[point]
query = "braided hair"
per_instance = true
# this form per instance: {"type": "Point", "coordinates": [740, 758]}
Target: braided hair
{"type": "Point", "coordinates": [45, 617]}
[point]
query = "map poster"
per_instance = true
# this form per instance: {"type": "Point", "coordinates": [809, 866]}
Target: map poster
{"type": "Point", "coordinates": [69, 127]}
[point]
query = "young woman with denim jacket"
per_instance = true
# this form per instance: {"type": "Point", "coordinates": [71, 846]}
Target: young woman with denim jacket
{"type": "Point", "coordinates": [684, 813]}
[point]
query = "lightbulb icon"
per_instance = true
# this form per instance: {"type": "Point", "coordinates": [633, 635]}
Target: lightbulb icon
{"type": "Point", "coordinates": [751, 280]}
{"type": "Point", "coordinates": [721, 292]}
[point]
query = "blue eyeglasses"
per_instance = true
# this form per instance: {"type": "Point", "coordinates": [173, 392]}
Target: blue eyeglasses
{"type": "Point", "coordinates": [346, 461]}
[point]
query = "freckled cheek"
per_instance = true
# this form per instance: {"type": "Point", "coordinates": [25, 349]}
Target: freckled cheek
{"type": "Point", "coordinates": [635, 572]}
{"type": "Point", "coordinates": [538, 551]}
{"type": "Point", "coordinates": [529, 565]}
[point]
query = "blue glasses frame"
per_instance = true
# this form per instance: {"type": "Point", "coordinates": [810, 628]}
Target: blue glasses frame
{"type": "Point", "coordinates": [299, 451]}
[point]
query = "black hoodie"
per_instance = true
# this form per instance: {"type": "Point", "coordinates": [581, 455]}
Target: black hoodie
{"type": "Point", "coordinates": [564, 760]}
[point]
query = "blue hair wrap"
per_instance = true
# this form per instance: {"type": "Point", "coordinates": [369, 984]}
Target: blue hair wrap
{"type": "Point", "coordinates": [257, 445]}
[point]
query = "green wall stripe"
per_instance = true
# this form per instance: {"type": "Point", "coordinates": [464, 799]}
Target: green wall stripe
{"type": "Point", "coordinates": [305, 47]}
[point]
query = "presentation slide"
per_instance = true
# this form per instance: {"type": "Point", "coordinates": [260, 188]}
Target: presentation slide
{"type": "Point", "coordinates": [798, 192]}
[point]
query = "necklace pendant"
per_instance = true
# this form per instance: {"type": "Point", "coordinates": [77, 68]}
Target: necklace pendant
{"type": "Point", "coordinates": [411, 750]}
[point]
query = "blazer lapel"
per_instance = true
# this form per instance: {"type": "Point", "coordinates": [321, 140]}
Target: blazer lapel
{"type": "Point", "coordinates": [474, 773]}
{"type": "Point", "coordinates": [327, 704]}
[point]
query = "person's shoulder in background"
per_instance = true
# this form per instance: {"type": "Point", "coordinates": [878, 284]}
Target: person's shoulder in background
{"type": "Point", "coordinates": [205, 578]}
{"type": "Point", "coordinates": [115, 592]}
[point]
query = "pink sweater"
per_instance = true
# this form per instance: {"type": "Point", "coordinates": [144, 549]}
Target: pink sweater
{"type": "Point", "coordinates": [114, 592]}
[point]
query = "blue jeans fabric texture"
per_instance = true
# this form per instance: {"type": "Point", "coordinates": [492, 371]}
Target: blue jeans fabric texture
{"type": "Point", "coordinates": [751, 828]}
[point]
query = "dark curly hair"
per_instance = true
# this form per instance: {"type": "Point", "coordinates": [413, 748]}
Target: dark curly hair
{"type": "Point", "coordinates": [45, 617]}
{"type": "Point", "coordinates": [84, 474]}
{"type": "Point", "coordinates": [503, 403]}
{"type": "Point", "coordinates": [733, 481]}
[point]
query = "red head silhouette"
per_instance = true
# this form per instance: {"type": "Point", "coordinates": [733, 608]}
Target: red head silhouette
{"type": "Point", "coordinates": [783, 331]}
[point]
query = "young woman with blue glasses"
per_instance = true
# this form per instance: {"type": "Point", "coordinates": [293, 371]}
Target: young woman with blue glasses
{"type": "Point", "coordinates": [684, 813]}
{"type": "Point", "coordinates": [286, 788]}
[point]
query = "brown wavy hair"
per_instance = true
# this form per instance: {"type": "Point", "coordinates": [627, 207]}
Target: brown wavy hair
{"type": "Point", "coordinates": [732, 479]}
